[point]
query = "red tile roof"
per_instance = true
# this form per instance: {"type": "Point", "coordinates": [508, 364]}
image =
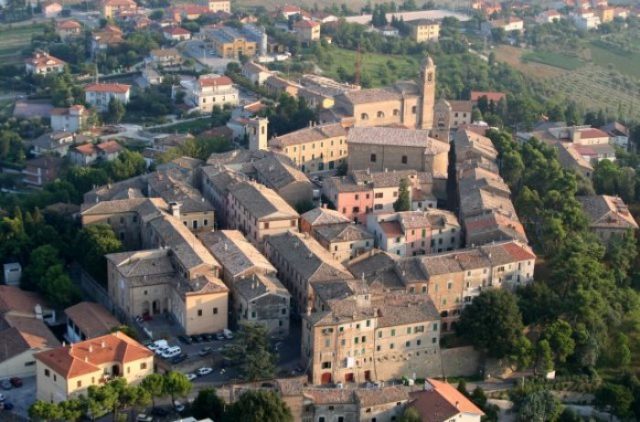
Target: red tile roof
{"type": "Point", "coordinates": [44, 60]}
{"type": "Point", "coordinates": [215, 81]}
{"type": "Point", "coordinates": [391, 228]}
{"type": "Point", "coordinates": [441, 402]}
{"type": "Point", "coordinates": [176, 30]}
{"type": "Point", "coordinates": [519, 253]}
{"type": "Point", "coordinates": [491, 96]}
{"type": "Point", "coordinates": [109, 147]}
{"type": "Point", "coordinates": [118, 88]}
{"type": "Point", "coordinates": [86, 149]}
{"type": "Point", "coordinates": [305, 24]}
{"type": "Point", "coordinates": [68, 25]}
{"type": "Point", "coordinates": [85, 357]}
{"type": "Point", "coordinates": [593, 133]}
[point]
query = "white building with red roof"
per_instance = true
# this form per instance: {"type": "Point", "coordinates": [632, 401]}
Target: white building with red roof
{"type": "Point", "coordinates": [68, 28]}
{"type": "Point", "coordinates": [68, 119]}
{"type": "Point", "coordinates": [68, 371]}
{"type": "Point", "coordinates": [442, 402]}
{"type": "Point", "coordinates": [176, 33]}
{"type": "Point", "coordinates": [210, 90]}
{"type": "Point", "coordinates": [87, 154]}
{"type": "Point", "coordinates": [99, 95]}
{"type": "Point", "coordinates": [42, 63]}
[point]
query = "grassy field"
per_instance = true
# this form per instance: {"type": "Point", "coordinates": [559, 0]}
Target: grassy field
{"type": "Point", "coordinates": [553, 59]}
{"type": "Point", "coordinates": [624, 62]}
{"type": "Point", "coordinates": [381, 69]}
{"type": "Point", "coordinates": [14, 40]}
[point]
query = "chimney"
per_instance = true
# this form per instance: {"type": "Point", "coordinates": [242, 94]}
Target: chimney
{"type": "Point", "coordinates": [174, 209]}
{"type": "Point", "coordinates": [90, 348]}
{"type": "Point", "coordinates": [103, 344]}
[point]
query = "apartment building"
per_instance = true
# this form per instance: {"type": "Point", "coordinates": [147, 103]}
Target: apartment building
{"type": "Point", "coordinates": [219, 6]}
{"type": "Point", "coordinates": [68, 29]}
{"type": "Point", "coordinates": [99, 95]}
{"type": "Point", "coordinates": [411, 233]}
{"type": "Point", "coordinates": [307, 31]}
{"type": "Point", "coordinates": [362, 192]}
{"type": "Point", "coordinates": [258, 296]}
{"type": "Point", "coordinates": [321, 216]}
{"type": "Point", "coordinates": [344, 241]}
{"type": "Point", "coordinates": [608, 216]}
{"type": "Point", "coordinates": [258, 211]}
{"type": "Point", "coordinates": [40, 171]}
{"type": "Point", "coordinates": [315, 148]}
{"type": "Point", "coordinates": [425, 30]}
{"type": "Point", "coordinates": [255, 72]}
{"type": "Point", "coordinates": [301, 261]}
{"type": "Point", "coordinates": [89, 153]}
{"type": "Point", "coordinates": [69, 119]}
{"type": "Point", "coordinates": [68, 371]}
{"type": "Point", "coordinates": [186, 203]}
{"type": "Point", "coordinates": [450, 279]}
{"type": "Point", "coordinates": [210, 90]}
{"type": "Point", "coordinates": [386, 148]}
{"type": "Point", "coordinates": [216, 184]}
{"type": "Point", "coordinates": [359, 338]}
{"type": "Point", "coordinates": [113, 8]}
{"type": "Point", "coordinates": [279, 173]}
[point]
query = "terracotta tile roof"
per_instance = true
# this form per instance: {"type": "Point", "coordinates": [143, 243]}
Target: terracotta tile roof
{"type": "Point", "coordinates": [85, 357]}
{"type": "Point", "coordinates": [91, 318]}
{"type": "Point", "coordinates": [607, 211]}
{"type": "Point", "coordinates": [15, 299]}
{"type": "Point", "coordinates": [440, 402]}
{"type": "Point", "coordinates": [44, 59]}
{"type": "Point", "coordinates": [396, 137]}
{"type": "Point", "coordinates": [309, 134]}
{"type": "Point", "coordinates": [215, 81]}
{"type": "Point", "coordinates": [491, 96]}
{"type": "Point", "coordinates": [176, 30]}
{"type": "Point", "coordinates": [305, 24]}
{"type": "Point", "coordinates": [115, 87]}
{"type": "Point", "coordinates": [21, 334]}
{"type": "Point", "coordinates": [68, 25]}
{"type": "Point", "coordinates": [109, 147]}
{"type": "Point", "coordinates": [391, 228]}
{"type": "Point", "coordinates": [86, 149]}
{"type": "Point", "coordinates": [461, 106]}
{"type": "Point", "coordinates": [322, 216]}
{"type": "Point", "coordinates": [592, 133]}
{"type": "Point", "coordinates": [345, 232]}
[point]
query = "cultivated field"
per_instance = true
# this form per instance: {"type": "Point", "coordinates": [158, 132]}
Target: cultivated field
{"type": "Point", "coordinates": [14, 39]}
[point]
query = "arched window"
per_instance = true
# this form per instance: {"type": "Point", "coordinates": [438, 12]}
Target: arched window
{"type": "Point", "coordinates": [396, 112]}
{"type": "Point", "coordinates": [380, 114]}
{"type": "Point", "coordinates": [364, 116]}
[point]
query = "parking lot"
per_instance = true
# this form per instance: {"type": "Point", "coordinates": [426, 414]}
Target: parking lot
{"type": "Point", "coordinates": [21, 397]}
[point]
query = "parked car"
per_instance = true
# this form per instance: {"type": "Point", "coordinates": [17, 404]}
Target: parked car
{"type": "Point", "coordinates": [16, 381]}
{"type": "Point", "coordinates": [179, 407]}
{"type": "Point", "coordinates": [191, 376]}
{"type": "Point", "coordinates": [220, 336]}
{"type": "Point", "coordinates": [208, 337]}
{"type": "Point", "coordinates": [158, 344]}
{"type": "Point", "coordinates": [171, 352]}
{"type": "Point", "coordinates": [1, 397]}
{"type": "Point", "coordinates": [144, 418]}
{"type": "Point", "coordinates": [6, 384]}
{"type": "Point", "coordinates": [180, 358]}
{"type": "Point", "coordinates": [227, 333]}
{"type": "Point", "coordinates": [185, 339]}
{"type": "Point", "coordinates": [204, 371]}
{"type": "Point", "coordinates": [205, 351]}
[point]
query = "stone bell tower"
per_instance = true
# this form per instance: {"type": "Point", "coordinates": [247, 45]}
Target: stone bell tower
{"type": "Point", "coordinates": [428, 93]}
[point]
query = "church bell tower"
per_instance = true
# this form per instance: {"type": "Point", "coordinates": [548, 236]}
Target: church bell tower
{"type": "Point", "coordinates": [428, 93]}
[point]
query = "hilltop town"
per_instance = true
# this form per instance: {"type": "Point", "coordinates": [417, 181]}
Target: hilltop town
{"type": "Point", "coordinates": [212, 211]}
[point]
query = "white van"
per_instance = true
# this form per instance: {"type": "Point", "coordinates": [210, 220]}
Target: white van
{"type": "Point", "coordinates": [171, 352]}
{"type": "Point", "coordinates": [227, 333]}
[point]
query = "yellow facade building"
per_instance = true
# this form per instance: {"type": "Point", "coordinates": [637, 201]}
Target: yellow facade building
{"type": "Point", "coordinates": [68, 371]}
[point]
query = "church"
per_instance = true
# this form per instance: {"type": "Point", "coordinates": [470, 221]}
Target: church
{"type": "Point", "coordinates": [409, 103]}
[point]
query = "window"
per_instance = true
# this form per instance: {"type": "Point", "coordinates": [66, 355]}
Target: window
{"type": "Point", "coordinates": [373, 158]}
{"type": "Point", "coordinates": [364, 116]}
{"type": "Point", "coordinates": [393, 332]}
{"type": "Point", "coordinates": [391, 346]}
{"type": "Point", "coordinates": [356, 340]}
{"type": "Point", "coordinates": [414, 110]}
{"type": "Point", "coordinates": [143, 365]}
{"type": "Point", "coordinates": [79, 384]}
{"type": "Point", "coordinates": [199, 312]}
{"type": "Point", "coordinates": [215, 311]}
{"type": "Point", "coordinates": [380, 114]}
{"type": "Point", "coordinates": [407, 344]}
{"type": "Point", "coordinates": [404, 159]}
{"type": "Point", "coordinates": [266, 225]}
{"type": "Point", "coordinates": [356, 210]}
{"type": "Point", "coordinates": [47, 373]}
{"type": "Point", "coordinates": [206, 222]}
{"type": "Point", "coordinates": [379, 195]}
{"type": "Point", "coordinates": [408, 330]}
{"type": "Point", "coordinates": [396, 111]}
{"type": "Point", "coordinates": [321, 419]}
{"type": "Point", "coordinates": [326, 365]}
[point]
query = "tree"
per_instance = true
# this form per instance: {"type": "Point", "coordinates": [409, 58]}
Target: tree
{"type": "Point", "coordinates": [544, 358]}
{"type": "Point", "coordinates": [251, 350]}
{"type": "Point", "coordinates": [115, 111]}
{"type": "Point", "coordinates": [40, 260]}
{"type": "Point", "coordinates": [154, 384]}
{"type": "Point", "coordinates": [617, 398]}
{"type": "Point", "coordinates": [208, 405]}
{"type": "Point", "coordinates": [258, 406]}
{"type": "Point", "coordinates": [605, 176]}
{"type": "Point", "coordinates": [539, 406]}
{"type": "Point", "coordinates": [403, 203]}
{"type": "Point", "coordinates": [59, 290]}
{"type": "Point", "coordinates": [493, 324]}
{"type": "Point", "coordinates": [176, 385]}
{"type": "Point", "coordinates": [560, 340]}
{"type": "Point", "coordinates": [410, 415]}
{"type": "Point", "coordinates": [92, 244]}
{"type": "Point", "coordinates": [45, 411]}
